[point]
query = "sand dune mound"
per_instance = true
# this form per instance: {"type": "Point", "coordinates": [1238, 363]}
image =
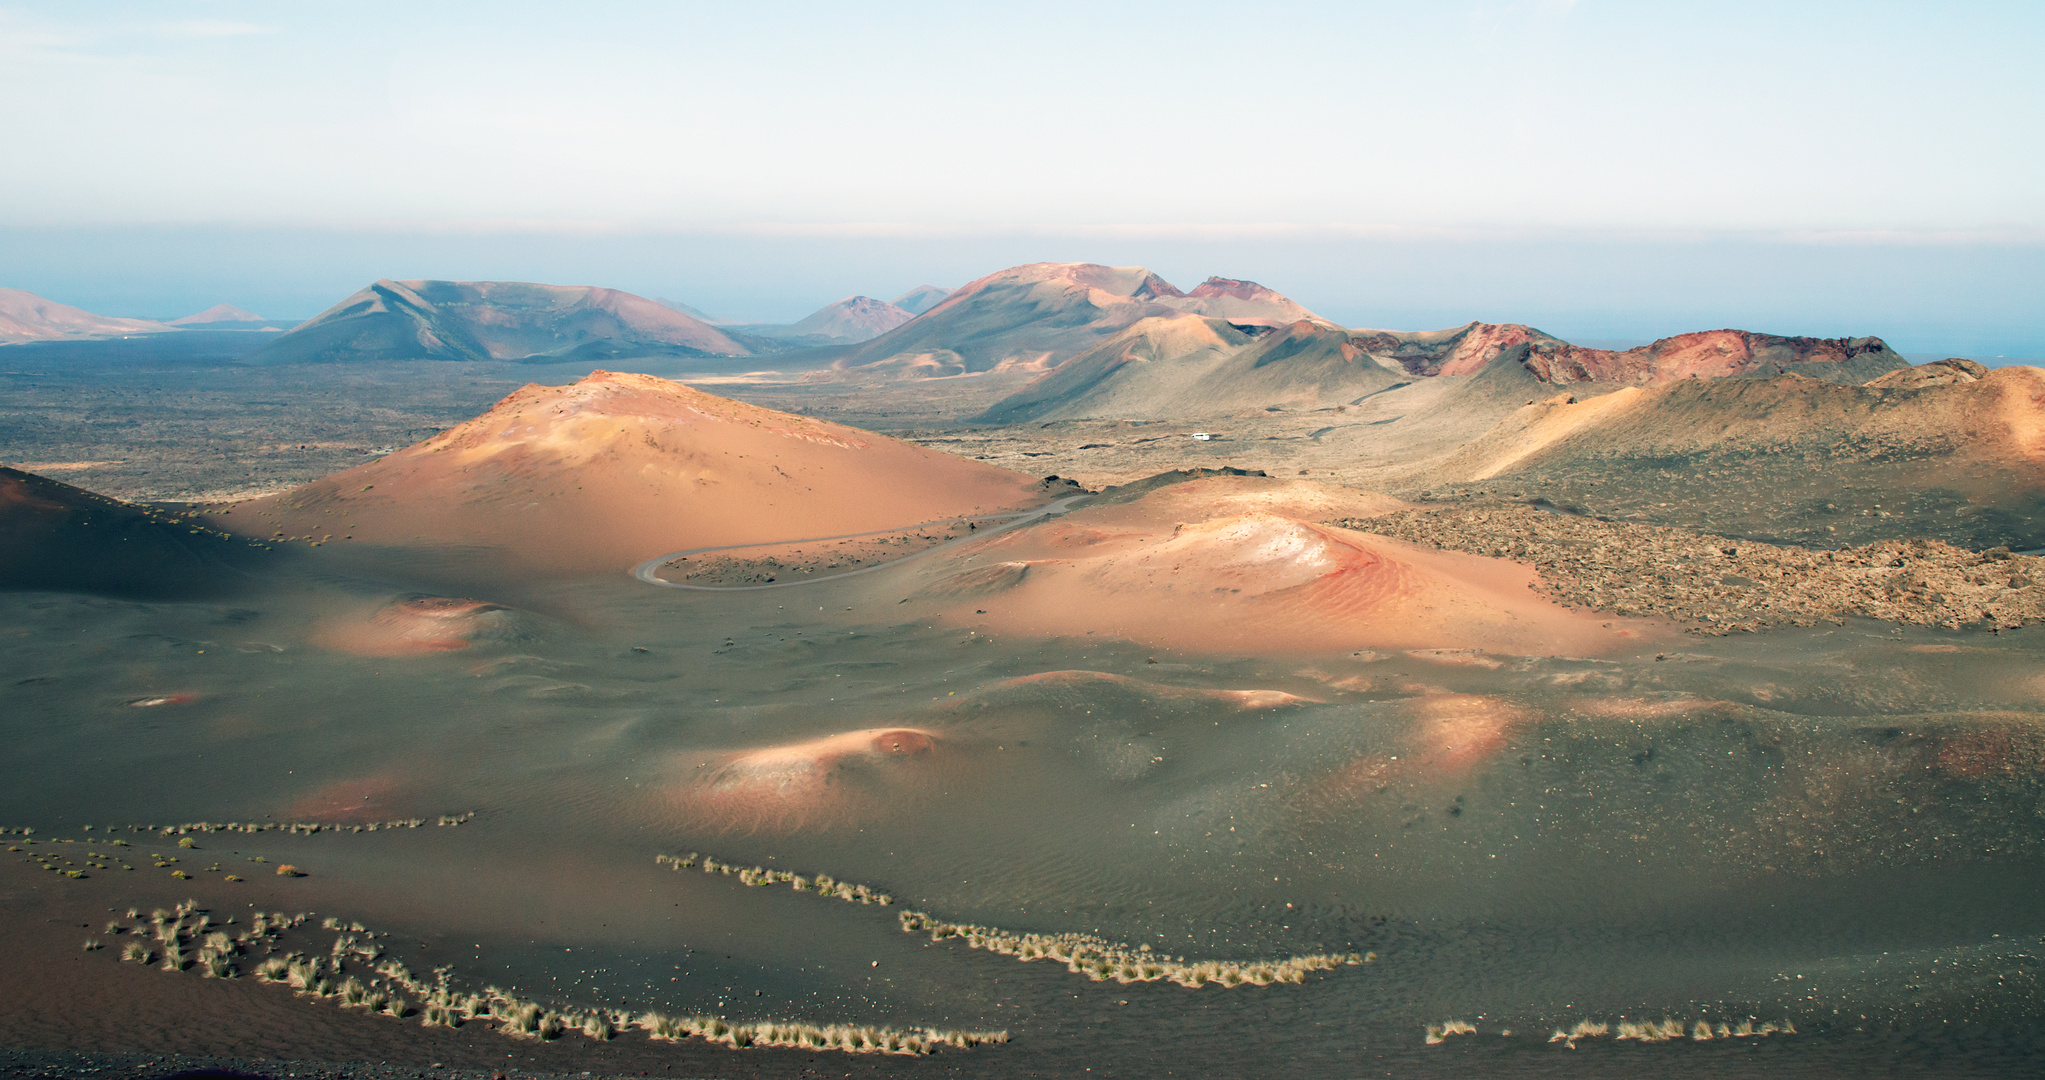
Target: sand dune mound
{"type": "Point", "coordinates": [1036, 317]}
{"type": "Point", "coordinates": [1091, 689]}
{"type": "Point", "coordinates": [416, 625]}
{"type": "Point", "coordinates": [834, 780]}
{"type": "Point", "coordinates": [1237, 564]}
{"type": "Point", "coordinates": [494, 320]}
{"type": "Point", "coordinates": [24, 316]}
{"type": "Point", "coordinates": [55, 536]}
{"type": "Point", "coordinates": [599, 475]}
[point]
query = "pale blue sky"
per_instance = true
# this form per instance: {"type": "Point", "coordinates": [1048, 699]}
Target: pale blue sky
{"type": "Point", "coordinates": [1306, 140]}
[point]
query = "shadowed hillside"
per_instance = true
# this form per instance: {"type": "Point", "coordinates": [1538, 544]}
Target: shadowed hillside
{"type": "Point", "coordinates": [57, 537]}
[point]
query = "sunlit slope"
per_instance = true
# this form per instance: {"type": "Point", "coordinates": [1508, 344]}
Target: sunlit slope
{"type": "Point", "coordinates": [618, 468]}
{"type": "Point", "coordinates": [1998, 419]}
{"type": "Point", "coordinates": [494, 320]}
{"type": "Point", "coordinates": [58, 537]}
{"type": "Point", "coordinates": [1242, 565]}
{"type": "Point", "coordinates": [1932, 451]}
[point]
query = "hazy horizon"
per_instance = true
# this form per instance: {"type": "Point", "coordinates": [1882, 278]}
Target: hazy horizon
{"type": "Point", "coordinates": [1600, 171]}
{"type": "Point", "coordinates": [1960, 299]}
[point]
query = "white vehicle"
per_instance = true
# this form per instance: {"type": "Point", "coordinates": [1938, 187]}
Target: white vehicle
{"type": "Point", "coordinates": [1203, 436]}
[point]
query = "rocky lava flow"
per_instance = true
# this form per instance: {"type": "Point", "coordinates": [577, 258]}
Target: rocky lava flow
{"type": "Point", "coordinates": [1722, 585]}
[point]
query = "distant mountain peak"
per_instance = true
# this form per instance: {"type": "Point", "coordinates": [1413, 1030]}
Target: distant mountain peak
{"type": "Point", "coordinates": [24, 316]}
{"type": "Point", "coordinates": [677, 305]}
{"type": "Point", "coordinates": [853, 319]}
{"type": "Point", "coordinates": [219, 313]}
{"type": "Point", "coordinates": [495, 320]}
{"type": "Point", "coordinates": [921, 298]}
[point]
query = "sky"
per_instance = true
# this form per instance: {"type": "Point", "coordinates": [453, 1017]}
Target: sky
{"type": "Point", "coordinates": [1602, 169]}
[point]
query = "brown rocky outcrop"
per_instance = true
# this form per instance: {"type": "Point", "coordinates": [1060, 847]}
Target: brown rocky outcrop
{"type": "Point", "coordinates": [1937, 373]}
{"type": "Point", "coordinates": [1713, 354]}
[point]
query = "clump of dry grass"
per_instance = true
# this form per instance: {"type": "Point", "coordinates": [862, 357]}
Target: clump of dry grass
{"type": "Point", "coordinates": [1436, 1033]}
{"type": "Point", "coordinates": [1101, 960]}
{"type": "Point", "coordinates": [1085, 954]}
{"type": "Point", "coordinates": [317, 976]}
{"type": "Point", "coordinates": [821, 884]}
{"type": "Point", "coordinates": [856, 1039]}
{"type": "Point", "coordinates": [1669, 1030]}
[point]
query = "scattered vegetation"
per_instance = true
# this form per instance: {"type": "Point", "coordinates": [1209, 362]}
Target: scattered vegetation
{"type": "Point", "coordinates": [355, 973]}
{"type": "Point", "coordinates": [1436, 1033]}
{"type": "Point", "coordinates": [1664, 1030]}
{"type": "Point", "coordinates": [1085, 954]}
{"type": "Point", "coordinates": [1719, 585]}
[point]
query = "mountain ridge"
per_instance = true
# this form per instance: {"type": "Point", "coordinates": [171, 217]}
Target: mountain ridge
{"type": "Point", "coordinates": [494, 320]}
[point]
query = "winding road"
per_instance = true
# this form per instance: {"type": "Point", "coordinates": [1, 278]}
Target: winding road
{"type": "Point", "coordinates": [648, 570]}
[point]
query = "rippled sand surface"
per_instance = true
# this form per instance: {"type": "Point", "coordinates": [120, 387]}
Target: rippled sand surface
{"type": "Point", "coordinates": [1838, 827]}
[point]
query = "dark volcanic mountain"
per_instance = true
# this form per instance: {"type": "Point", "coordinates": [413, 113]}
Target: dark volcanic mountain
{"type": "Point", "coordinates": [495, 320]}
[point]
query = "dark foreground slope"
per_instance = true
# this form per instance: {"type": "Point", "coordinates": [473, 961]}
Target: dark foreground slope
{"type": "Point", "coordinates": [57, 537]}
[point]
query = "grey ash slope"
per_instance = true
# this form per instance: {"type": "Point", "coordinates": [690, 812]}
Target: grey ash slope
{"type": "Point", "coordinates": [495, 320]}
{"type": "Point", "coordinates": [1199, 368]}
